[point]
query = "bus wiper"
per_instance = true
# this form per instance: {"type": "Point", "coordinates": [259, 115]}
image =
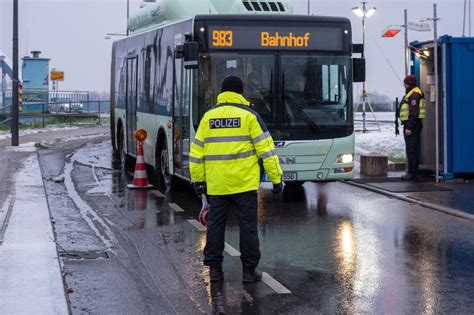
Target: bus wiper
{"type": "Point", "coordinates": [305, 116]}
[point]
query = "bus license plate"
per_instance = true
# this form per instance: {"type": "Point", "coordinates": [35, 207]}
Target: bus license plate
{"type": "Point", "coordinates": [289, 176]}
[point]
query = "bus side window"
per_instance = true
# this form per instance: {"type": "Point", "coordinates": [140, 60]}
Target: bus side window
{"type": "Point", "coordinates": [149, 78]}
{"type": "Point", "coordinates": [122, 70]}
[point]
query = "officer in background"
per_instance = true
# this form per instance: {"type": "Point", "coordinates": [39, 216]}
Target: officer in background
{"type": "Point", "coordinates": [412, 112]}
{"type": "Point", "coordinates": [224, 155]}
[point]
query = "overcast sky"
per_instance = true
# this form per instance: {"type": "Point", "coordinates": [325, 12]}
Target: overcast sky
{"type": "Point", "coordinates": [71, 33]}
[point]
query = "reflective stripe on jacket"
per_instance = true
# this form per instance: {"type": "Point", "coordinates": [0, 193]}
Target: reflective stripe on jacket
{"type": "Point", "coordinates": [229, 141]}
{"type": "Point", "coordinates": [405, 106]}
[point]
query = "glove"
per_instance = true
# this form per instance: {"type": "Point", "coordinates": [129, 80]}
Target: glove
{"type": "Point", "coordinates": [277, 188]}
{"type": "Point", "coordinates": [200, 188]}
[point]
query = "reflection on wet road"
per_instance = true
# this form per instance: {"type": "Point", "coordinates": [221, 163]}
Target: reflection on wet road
{"type": "Point", "coordinates": [337, 248]}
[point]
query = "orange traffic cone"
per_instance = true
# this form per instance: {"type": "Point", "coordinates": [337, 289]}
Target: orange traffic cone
{"type": "Point", "coordinates": [140, 179]}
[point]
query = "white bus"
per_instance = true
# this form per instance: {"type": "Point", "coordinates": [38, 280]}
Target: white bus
{"type": "Point", "coordinates": [298, 73]}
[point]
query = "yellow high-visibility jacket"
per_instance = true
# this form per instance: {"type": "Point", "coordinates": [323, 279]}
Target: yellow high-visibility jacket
{"type": "Point", "coordinates": [229, 141]}
{"type": "Point", "coordinates": [405, 107]}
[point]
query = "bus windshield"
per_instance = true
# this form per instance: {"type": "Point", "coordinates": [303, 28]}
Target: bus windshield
{"type": "Point", "coordinates": [315, 90]}
{"type": "Point", "coordinates": [299, 96]}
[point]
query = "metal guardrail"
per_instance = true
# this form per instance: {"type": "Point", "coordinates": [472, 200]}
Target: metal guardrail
{"type": "Point", "coordinates": [49, 112]}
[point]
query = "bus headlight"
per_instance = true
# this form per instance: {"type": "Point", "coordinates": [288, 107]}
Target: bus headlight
{"type": "Point", "coordinates": [345, 158]}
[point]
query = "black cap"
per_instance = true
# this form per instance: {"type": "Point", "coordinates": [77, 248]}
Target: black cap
{"type": "Point", "coordinates": [232, 84]}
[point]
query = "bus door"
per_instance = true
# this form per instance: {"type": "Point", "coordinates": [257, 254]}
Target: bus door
{"type": "Point", "coordinates": [132, 87]}
{"type": "Point", "coordinates": [181, 131]}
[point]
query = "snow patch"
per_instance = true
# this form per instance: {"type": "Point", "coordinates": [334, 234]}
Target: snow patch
{"type": "Point", "coordinates": [383, 142]}
{"type": "Point", "coordinates": [5, 134]}
{"type": "Point", "coordinates": [24, 147]}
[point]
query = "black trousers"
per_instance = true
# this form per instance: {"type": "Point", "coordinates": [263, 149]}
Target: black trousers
{"type": "Point", "coordinates": [219, 206]}
{"type": "Point", "coordinates": [413, 146]}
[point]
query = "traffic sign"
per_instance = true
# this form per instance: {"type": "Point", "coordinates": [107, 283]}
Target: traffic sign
{"type": "Point", "coordinates": [57, 75]}
{"type": "Point", "coordinates": [419, 26]}
{"type": "Point", "coordinates": [391, 31]}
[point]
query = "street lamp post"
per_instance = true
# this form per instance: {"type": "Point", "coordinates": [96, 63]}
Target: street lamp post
{"type": "Point", "coordinates": [2, 58]}
{"type": "Point", "coordinates": [14, 108]}
{"type": "Point", "coordinates": [407, 51]}
{"type": "Point", "coordinates": [364, 13]}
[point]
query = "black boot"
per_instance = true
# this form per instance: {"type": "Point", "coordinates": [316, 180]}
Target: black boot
{"type": "Point", "coordinates": [250, 276]}
{"type": "Point", "coordinates": [216, 273]}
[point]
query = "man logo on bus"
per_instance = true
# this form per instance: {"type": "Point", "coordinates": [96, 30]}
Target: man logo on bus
{"type": "Point", "coordinates": [290, 40]}
{"type": "Point", "coordinates": [287, 160]}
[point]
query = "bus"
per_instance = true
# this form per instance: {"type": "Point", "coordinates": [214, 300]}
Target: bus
{"type": "Point", "coordinates": [298, 73]}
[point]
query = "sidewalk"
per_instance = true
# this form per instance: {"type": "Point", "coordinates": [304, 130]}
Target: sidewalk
{"type": "Point", "coordinates": [450, 196]}
{"type": "Point", "coordinates": [30, 274]}
{"type": "Point", "coordinates": [30, 271]}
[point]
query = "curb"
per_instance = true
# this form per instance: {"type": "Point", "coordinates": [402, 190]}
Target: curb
{"type": "Point", "coordinates": [5, 214]}
{"type": "Point", "coordinates": [429, 205]}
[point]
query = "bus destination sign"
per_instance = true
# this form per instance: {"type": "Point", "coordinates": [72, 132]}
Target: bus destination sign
{"type": "Point", "coordinates": [242, 37]}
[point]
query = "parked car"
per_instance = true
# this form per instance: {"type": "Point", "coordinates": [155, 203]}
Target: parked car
{"type": "Point", "coordinates": [67, 107]}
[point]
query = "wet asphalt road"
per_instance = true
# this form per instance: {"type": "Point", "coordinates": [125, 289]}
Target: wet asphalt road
{"type": "Point", "coordinates": [337, 248]}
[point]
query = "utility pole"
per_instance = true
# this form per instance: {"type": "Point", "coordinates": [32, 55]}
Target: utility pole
{"type": "Point", "coordinates": [407, 51]}
{"type": "Point", "coordinates": [435, 31]}
{"type": "Point", "coordinates": [309, 7]}
{"type": "Point", "coordinates": [128, 15]}
{"type": "Point", "coordinates": [14, 108]}
{"type": "Point", "coordinates": [364, 92]}
{"type": "Point", "coordinates": [464, 19]}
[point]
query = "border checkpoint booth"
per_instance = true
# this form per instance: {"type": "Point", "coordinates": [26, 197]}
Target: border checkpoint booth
{"type": "Point", "coordinates": [455, 101]}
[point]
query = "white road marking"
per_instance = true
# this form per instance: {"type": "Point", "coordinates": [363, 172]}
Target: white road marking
{"type": "Point", "coordinates": [230, 250]}
{"type": "Point", "coordinates": [90, 216]}
{"type": "Point", "coordinates": [275, 285]}
{"type": "Point", "coordinates": [158, 193]}
{"type": "Point", "coordinates": [175, 207]}
{"type": "Point", "coordinates": [266, 278]}
{"type": "Point", "coordinates": [197, 225]}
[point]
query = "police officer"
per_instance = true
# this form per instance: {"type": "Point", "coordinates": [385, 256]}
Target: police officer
{"type": "Point", "coordinates": [412, 112]}
{"type": "Point", "coordinates": [224, 161]}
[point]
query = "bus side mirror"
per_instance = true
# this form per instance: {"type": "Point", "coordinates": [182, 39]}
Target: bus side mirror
{"type": "Point", "coordinates": [357, 48]}
{"type": "Point", "coordinates": [179, 52]}
{"type": "Point", "coordinates": [191, 55]}
{"type": "Point", "coordinates": [358, 69]}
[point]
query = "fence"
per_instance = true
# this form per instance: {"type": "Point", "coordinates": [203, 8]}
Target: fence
{"type": "Point", "coordinates": [41, 114]}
